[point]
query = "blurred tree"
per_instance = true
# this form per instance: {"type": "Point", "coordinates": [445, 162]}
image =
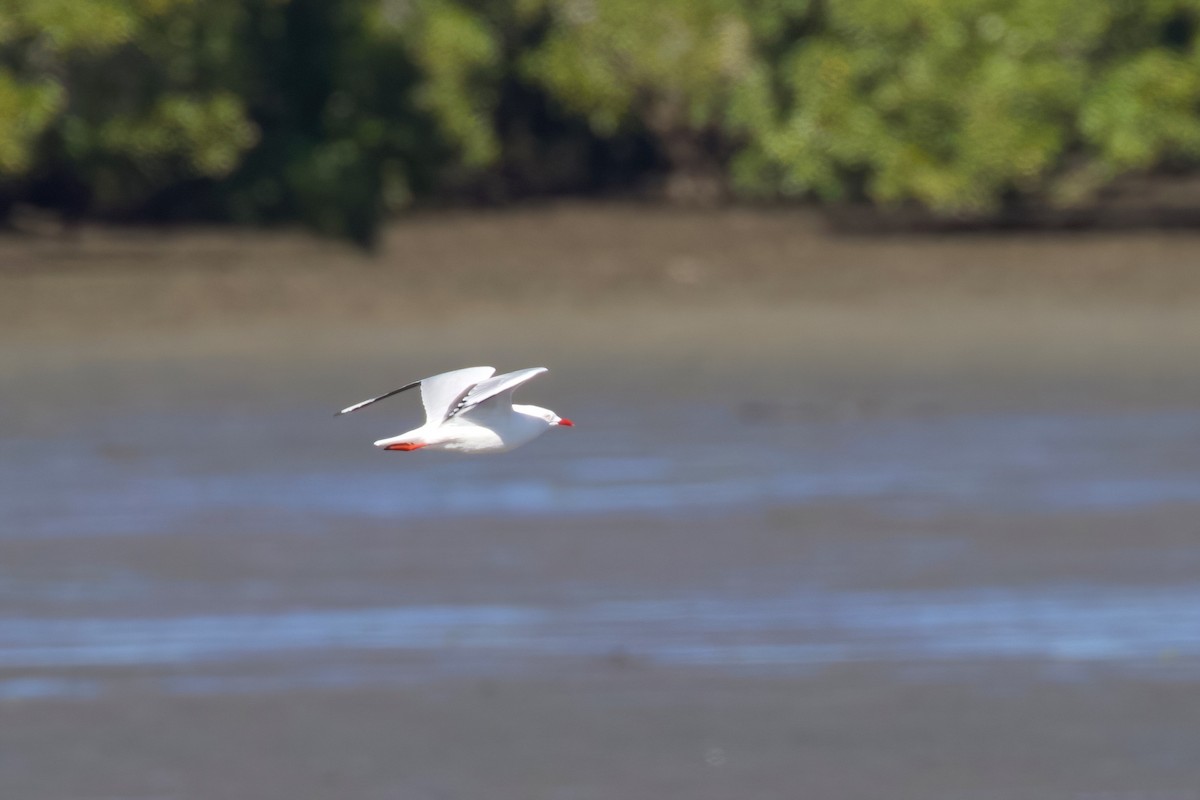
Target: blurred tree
{"type": "Point", "coordinates": [335, 112]}
{"type": "Point", "coordinates": [509, 134]}
{"type": "Point", "coordinates": [104, 105]}
{"type": "Point", "coordinates": [342, 143]}
{"type": "Point", "coordinates": [960, 104]}
{"type": "Point", "coordinates": [691, 71]}
{"type": "Point", "coordinates": [154, 108]}
{"type": "Point", "coordinates": [459, 54]}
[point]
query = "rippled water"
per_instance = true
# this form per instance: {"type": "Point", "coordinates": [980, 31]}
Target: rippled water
{"type": "Point", "coordinates": [151, 475]}
{"type": "Point", "coordinates": [141, 475]}
{"type": "Point", "coordinates": [1067, 622]}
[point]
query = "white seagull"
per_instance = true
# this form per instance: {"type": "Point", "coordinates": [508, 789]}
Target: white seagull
{"type": "Point", "coordinates": [469, 411]}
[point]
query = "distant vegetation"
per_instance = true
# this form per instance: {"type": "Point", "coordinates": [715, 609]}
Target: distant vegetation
{"type": "Point", "coordinates": [334, 113]}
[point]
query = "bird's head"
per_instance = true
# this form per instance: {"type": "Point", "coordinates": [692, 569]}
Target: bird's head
{"type": "Point", "coordinates": [546, 414]}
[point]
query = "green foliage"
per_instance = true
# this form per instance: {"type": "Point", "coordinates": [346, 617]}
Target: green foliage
{"type": "Point", "coordinates": [29, 107]}
{"type": "Point", "coordinates": [1143, 108]}
{"type": "Point", "coordinates": [210, 133]}
{"type": "Point", "coordinates": [336, 112]}
{"type": "Point", "coordinates": [692, 72]}
{"type": "Point", "coordinates": [341, 142]}
{"type": "Point", "coordinates": [257, 111]}
{"type": "Point", "coordinates": [99, 90]}
{"type": "Point", "coordinates": [958, 104]}
{"type": "Point", "coordinates": [36, 37]}
{"type": "Point", "coordinates": [673, 61]}
{"type": "Point", "coordinates": [459, 55]}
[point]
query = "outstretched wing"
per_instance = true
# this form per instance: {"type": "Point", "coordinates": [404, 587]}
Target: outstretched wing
{"type": "Point", "coordinates": [440, 394]}
{"type": "Point", "coordinates": [494, 390]}
{"type": "Point", "coordinates": [384, 396]}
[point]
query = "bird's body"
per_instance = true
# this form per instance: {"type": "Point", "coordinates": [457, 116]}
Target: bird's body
{"type": "Point", "coordinates": [469, 411]}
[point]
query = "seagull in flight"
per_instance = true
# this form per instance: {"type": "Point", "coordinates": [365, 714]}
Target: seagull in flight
{"type": "Point", "coordinates": [471, 411]}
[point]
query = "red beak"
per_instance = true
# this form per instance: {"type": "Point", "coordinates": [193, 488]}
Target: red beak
{"type": "Point", "coordinates": [567, 423]}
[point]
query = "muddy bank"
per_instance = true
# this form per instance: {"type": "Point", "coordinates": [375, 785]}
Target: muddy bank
{"type": "Point", "coordinates": [572, 257]}
{"type": "Point", "coordinates": [628, 734]}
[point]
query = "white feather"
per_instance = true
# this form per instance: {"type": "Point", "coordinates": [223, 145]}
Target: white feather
{"type": "Point", "coordinates": [470, 411]}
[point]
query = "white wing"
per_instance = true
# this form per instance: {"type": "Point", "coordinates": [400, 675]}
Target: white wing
{"type": "Point", "coordinates": [443, 393]}
{"type": "Point", "coordinates": [440, 394]}
{"type": "Point", "coordinates": [495, 391]}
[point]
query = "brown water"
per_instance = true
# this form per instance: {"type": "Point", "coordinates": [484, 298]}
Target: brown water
{"type": "Point", "coordinates": [787, 551]}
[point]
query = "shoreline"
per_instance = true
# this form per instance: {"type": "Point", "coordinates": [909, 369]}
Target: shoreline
{"type": "Point", "coordinates": [569, 259]}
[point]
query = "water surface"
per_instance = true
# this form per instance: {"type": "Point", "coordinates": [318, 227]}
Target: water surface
{"type": "Point", "coordinates": [170, 472]}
